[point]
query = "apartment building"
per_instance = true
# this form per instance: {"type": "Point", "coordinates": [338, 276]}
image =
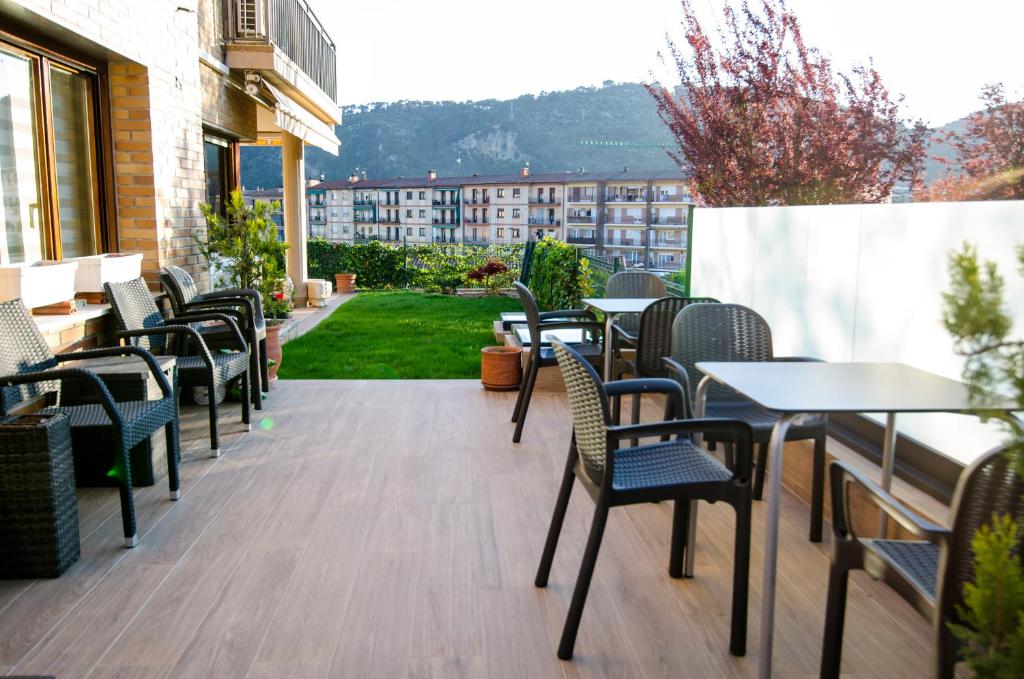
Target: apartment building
{"type": "Point", "coordinates": [642, 217]}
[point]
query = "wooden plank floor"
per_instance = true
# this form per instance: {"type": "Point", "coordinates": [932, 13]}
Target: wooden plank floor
{"type": "Point", "coordinates": [391, 529]}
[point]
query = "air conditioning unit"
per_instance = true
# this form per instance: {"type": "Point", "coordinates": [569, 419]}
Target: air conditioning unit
{"type": "Point", "coordinates": [317, 292]}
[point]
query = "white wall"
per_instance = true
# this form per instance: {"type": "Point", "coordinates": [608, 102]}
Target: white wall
{"type": "Point", "coordinates": [860, 283]}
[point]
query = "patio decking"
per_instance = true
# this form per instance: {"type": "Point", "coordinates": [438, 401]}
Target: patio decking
{"type": "Point", "coordinates": [391, 529]}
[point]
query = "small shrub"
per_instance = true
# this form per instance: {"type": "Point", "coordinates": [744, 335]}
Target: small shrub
{"type": "Point", "coordinates": [559, 279]}
{"type": "Point", "coordinates": [493, 275]}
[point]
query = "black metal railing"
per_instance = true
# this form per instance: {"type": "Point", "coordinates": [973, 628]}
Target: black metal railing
{"type": "Point", "coordinates": [293, 27]}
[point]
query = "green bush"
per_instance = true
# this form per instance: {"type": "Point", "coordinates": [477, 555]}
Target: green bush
{"type": "Point", "coordinates": [559, 279]}
{"type": "Point", "coordinates": [442, 268]}
{"type": "Point", "coordinates": [377, 266]}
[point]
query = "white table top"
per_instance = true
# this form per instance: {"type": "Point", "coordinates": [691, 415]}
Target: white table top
{"type": "Point", "coordinates": [848, 388]}
{"type": "Point", "coordinates": [567, 335]}
{"type": "Point", "coordinates": [619, 305]}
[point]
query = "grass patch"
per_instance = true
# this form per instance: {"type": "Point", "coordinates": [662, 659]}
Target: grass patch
{"type": "Point", "coordinates": [397, 335]}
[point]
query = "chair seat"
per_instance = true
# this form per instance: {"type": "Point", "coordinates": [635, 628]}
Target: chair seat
{"type": "Point", "coordinates": [671, 463]}
{"type": "Point", "coordinates": [591, 352]}
{"type": "Point", "coordinates": [918, 560]}
{"type": "Point", "coordinates": [142, 418]}
{"type": "Point", "coordinates": [226, 367]}
{"type": "Point", "coordinates": [762, 420]}
{"type": "Point", "coordinates": [221, 333]}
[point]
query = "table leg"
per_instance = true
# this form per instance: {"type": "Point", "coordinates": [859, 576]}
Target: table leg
{"type": "Point", "coordinates": [700, 400]}
{"type": "Point", "coordinates": [771, 543]}
{"type": "Point", "coordinates": [608, 318]}
{"type": "Point", "coordinates": [888, 462]}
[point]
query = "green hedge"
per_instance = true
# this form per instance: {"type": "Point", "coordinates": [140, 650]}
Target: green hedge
{"type": "Point", "coordinates": [434, 267]}
{"type": "Point", "coordinates": [559, 277]}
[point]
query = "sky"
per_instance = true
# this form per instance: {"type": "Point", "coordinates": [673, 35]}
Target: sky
{"type": "Point", "coordinates": [938, 53]}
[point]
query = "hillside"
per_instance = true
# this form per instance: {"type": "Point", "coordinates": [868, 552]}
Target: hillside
{"type": "Point", "coordinates": [407, 138]}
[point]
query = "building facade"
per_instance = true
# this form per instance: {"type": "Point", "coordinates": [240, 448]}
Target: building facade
{"type": "Point", "coordinates": [639, 216]}
{"type": "Point", "coordinates": [118, 119]}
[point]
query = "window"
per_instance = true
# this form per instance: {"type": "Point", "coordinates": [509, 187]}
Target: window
{"type": "Point", "coordinates": [501, 233]}
{"type": "Point", "coordinates": [515, 213]}
{"type": "Point", "coordinates": [50, 192]}
{"type": "Point", "coordinates": [334, 196]}
{"type": "Point", "coordinates": [501, 213]}
{"type": "Point", "coordinates": [408, 195]}
{"type": "Point", "coordinates": [423, 214]}
{"type": "Point", "coordinates": [515, 233]}
{"type": "Point", "coordinates": [408, 231]}
{"type": "Point", "coordinates": [516, 193]}
{"type": "Point", "coordinates": [423, 232]}
{"type": "Point", "coordinates": [423, 195]}
{"type": "Point", "coordinates": [408, 213]}
{"type": "Point", "coordinates": [501, 193]}
{"type": "Point", "coordinates": [334, 213]}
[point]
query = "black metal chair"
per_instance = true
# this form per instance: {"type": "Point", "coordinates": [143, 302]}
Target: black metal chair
{"type": "Point", "coordinates": [142, 325]}
{"type": "Point", "coordinates": [186, 298]}
{"type": "Point", "coordinates": [653, 342]}
{"type": "Point", "coordinates": [541, 354]}
{"type": "Point", "coordinates": [731, 332]}
{"type": "Point", "coordinates": [929, 571]}
{"type": "Point", "coordinates": [674, 470]}
{"type": "Point", "coordinates": [30, 370]}
{"type": "Point", "coordinates": [636, 284]}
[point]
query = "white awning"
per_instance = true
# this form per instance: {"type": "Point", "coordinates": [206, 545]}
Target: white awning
{"type": "Point", "coordinates": [290, 117]}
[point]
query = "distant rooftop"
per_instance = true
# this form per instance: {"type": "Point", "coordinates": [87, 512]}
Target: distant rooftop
{"type": "Point", "coordinates": [503, 179]}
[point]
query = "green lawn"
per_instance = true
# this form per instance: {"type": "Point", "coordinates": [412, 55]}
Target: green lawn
{"type": "Point", "coordinates": [397, 335]}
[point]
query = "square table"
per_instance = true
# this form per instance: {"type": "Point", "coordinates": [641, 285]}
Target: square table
{"type": "Point", "coordinates": [796, 390]}
{"type": "Point", "coordinates": [612, 307]}
{"type": "Point", "coordinates": [566, 335]}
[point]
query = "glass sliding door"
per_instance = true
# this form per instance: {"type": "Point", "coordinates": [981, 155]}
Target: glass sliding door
{"type": "Point", "coordinates": [23, 236]}
{"type": "Point", "coordinates": [74, 161]}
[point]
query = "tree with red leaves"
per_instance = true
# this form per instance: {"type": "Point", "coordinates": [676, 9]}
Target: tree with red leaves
{"type": "Point", "coordinates": [990, 153]}
{"type": "Point", "coordinates": [766, 121]}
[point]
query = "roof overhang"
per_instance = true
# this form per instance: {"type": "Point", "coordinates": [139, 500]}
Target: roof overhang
{"type": "Point", "coordinates": [280, 113]}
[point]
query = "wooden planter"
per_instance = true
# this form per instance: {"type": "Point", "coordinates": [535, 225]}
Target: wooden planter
{"type": "Point", "coordinates": [345, 282]}
{"type": "Point", "coordinates": [274, 348]}
{"type": "Point", "coordinates": [501, 368]}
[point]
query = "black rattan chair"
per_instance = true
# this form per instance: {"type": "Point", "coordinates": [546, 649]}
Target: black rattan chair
{"type": "Point", "coordinates": [186, 299]}
{"type": "Point", "coordinates": [731, 332]}
{"type": "Point", "coordinates": [636, 284]}
{"type": "Point", "coordinates": [142, 325]}
{"type": "Point", "coordinates": [541, 354]}
{"type": "Point", "coordinates": [930, 571]}
{"type": "Point", "coordinates": [28, 369]}
{"type": "Point", "coordinates": [674, 470]}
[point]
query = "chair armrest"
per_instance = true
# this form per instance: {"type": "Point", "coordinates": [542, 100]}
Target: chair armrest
{"type": "Point", "coordinates": [740, 432]}
{"type": "Point", "coordinates": [572, 325]}
{"type": "Point", "coordinates": [228, 292]}
{"type": "Point", "coordinates": [677, 372]}
{"type": "Point", "coordinates": [154, 367]}
{"type": "Point", "coordinates": [650, 385]}
{"type": "Point", "coordinates": [106, 400]}
{"type": "Point", "coordinates": [204, 351]}
{"type": "Point", "coordinates": [219, 316]}
{"type": "Point", "coordinates": [223, 302]}
{"type": "Point", "coordinates": [567, 313]}
{"type": "Point", "coordinates": [842, 476]}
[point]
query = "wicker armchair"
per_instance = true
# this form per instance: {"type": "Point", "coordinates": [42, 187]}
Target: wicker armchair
{"type": "Point", "coordinates": [186, 298]}
{"type": "Point", "coordinates": [674, 470]}
{"type": "Point", "coordinates": [638, 284]}
{"type": "Point", "coordinates": [730, 332]}
{"type": "Point", "coordinates": [30, 370]}
{"type": "Point", "coordinates": [542, 356]}
{"type": "Point", "coordinates": [142, 325]}
{"type": "Point", "coordinates": [929, 571]}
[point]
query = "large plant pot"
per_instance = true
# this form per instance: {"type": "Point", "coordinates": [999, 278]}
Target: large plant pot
{"type": "Point", "coordinates": [501, 368]}
{"type": "Point", "coordinates": [38, 284]}
{"type": "Point", "coordinates": [274, 348]}
{"type": "Point", "coordinates": [345, 282]}
{"type": "Point", "coordinates": [95, 270]}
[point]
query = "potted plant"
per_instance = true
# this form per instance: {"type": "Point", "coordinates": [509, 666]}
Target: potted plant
{"type": "Point", "coordinates": [242, 248]}
{"type": "Point", "coordinates": [501, 368]}
{"type": "Point", "coordinates": [345, 283]}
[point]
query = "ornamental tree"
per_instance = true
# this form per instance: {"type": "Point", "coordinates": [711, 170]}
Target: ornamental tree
{"type": "Point", "coordinates": [765, 120]}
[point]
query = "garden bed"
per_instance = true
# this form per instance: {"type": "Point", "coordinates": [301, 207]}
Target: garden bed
{"type": "Point", "coordinates": [397, 335]}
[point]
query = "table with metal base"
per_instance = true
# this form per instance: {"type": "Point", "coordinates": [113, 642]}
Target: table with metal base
{"type": "Point", "coordinates": [799, 390]}
{"type": "Point", "coordinates": [612, 307]}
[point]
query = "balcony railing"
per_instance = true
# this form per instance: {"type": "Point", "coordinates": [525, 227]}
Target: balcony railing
{"type": "Point", "coordinates": [293, 27]}
{"type": "Point", "coordinates": [668, 221]}
{"type": "Point", "coordinates": [536, 221]}
{"type": "Point", "coordinates": [364, 202]}
{"type": "Point", "coordinates": [624, 198]}
{"type": "Point", "coordinates": [473, 200]}
{"type": "Point", "coordinates": [579, 219]}
{"type": "Point", "coordinates": [582, 240]}
{"type": "Point", "coordinates": [477, 221]}
{"type": "Point", "coordinates": [480, 240]}
{"type": "Point", "coordinates": [537, 200]}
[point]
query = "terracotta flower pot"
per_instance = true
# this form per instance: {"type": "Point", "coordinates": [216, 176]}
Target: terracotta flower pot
{"type": "Point", "coordinates": [501, 368]}
{"type": "Point", "coordinates": [274, 348]}
{"type": "Point", "coordinates": [345, 282]}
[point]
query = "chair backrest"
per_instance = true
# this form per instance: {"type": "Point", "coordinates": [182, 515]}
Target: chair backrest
{"type": "Point", "coordinates": [532, 312]}
{"type": "Point", "coordinates": [589, 405]}
{"type": "Point", "coordinates": [23, 349]}
{"type": "Point", "coordinates": [180, 285]}
{"type": "Point", "coordinates": [636, 284]}
{"type": "Point", "coordinates": [639, 284]}
{"type": "Point", "coordinates": [135, 309]}
{"type": "Point", "coordinates": [718, 332]}
{"type": "Point", "coordinates": [655, 338]}
{"type": "Point", "coordinates": [990, 486]}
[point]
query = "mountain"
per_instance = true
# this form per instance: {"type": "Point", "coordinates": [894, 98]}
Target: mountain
{"type": "Point", "coordinates": [407, 138]}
